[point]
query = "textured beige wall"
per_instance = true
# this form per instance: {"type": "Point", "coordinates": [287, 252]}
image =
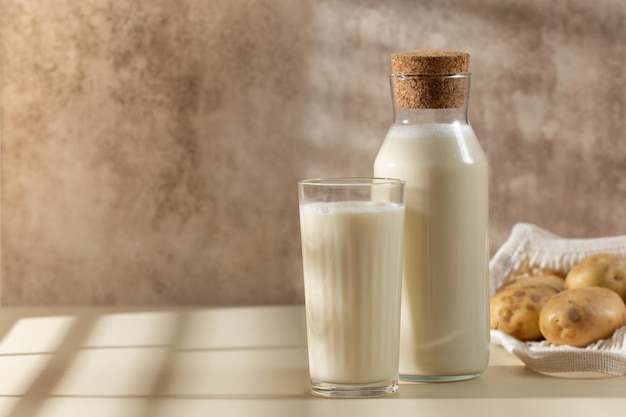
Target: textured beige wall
{"type": "Point", "coordinates": [150, 149]}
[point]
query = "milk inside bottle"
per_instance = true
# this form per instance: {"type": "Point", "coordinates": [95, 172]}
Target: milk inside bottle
{"type": "Point", "coordinates": [432, 147]}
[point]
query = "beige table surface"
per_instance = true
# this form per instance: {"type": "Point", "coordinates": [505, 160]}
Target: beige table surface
{"type": "Point", "coordinates": [243, 361]}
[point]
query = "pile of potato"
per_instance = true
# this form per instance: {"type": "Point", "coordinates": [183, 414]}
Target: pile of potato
{"type": "Point", "coordinates": [582, 307]}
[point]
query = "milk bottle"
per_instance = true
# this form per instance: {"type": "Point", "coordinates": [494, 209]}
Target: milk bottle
{"type": "Point", "coordinates": [432, 147]}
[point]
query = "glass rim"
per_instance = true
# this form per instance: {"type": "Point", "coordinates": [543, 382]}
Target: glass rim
{"type": "Point", "coordinates": [430, 75]}
{"type": "Point", "coordinates": [352, 181]}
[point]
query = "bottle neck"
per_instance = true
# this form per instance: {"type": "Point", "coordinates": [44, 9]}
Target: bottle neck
{"type": "Point", "coordinates": [407, 117]}
{"type": "Point", "coordinates": [430, 98]}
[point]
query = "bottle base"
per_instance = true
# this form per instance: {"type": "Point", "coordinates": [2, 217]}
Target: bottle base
{"type": "Point", "coordinates": [375, 389]}
{"type": "Point", "coordinates": [437, 378]}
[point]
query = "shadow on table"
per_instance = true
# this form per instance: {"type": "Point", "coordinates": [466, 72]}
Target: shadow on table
{"type": "Point", "coordinates": [57, 358]}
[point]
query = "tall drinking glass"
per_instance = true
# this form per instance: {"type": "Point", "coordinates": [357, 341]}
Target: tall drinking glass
{"type": "Point", "coordinates": [352, 236]}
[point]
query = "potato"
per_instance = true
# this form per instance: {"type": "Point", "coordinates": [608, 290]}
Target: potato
{"type": "Point", "coordinates": [581, 316]}
{"type": "Point", "coordinates": [527, 270]}
{"type": "Point", "coordinates": [553, 280]}
{"type": "Point", "coordinates": [603, 272]}
{"type": "Point", "coordinates": [515, 309]}
{"type": "Point", "coordinates": [600, 257]}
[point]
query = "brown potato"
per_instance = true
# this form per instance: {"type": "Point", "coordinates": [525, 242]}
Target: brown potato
{"type": "Point", "coordinates": [527, 270]}
{"type": "Point", "coordinates": [604, 272]}
{"type": "Point", "coordinates": [600, 257]}
{"type": "Point", "coordinates": [515, 309]}
{"type": "Point", "coordinates": [581, 316]}
{"type": "Point", "coordinates": [556, 281]}
{"type": "Point", "coordinates": [553, 280]}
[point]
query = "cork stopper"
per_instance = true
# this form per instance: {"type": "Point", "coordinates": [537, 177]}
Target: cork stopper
{"type": "Point", "coordinates": [429, 61]}
{"type": "Point", "coordinates": [429, 79]}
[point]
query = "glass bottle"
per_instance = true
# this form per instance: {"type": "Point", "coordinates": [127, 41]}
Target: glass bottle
{"type": "Point", "coordinates": [433, 148]}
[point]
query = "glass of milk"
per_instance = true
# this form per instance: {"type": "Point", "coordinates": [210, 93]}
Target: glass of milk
{"type": "Point", "coordinates": [352, 237]}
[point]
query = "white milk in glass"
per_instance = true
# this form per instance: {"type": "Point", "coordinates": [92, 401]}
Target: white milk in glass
{"type": "Point", "coordinates": [352, 266]}
{"type": "Point", "coordinates": [445, 329]}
